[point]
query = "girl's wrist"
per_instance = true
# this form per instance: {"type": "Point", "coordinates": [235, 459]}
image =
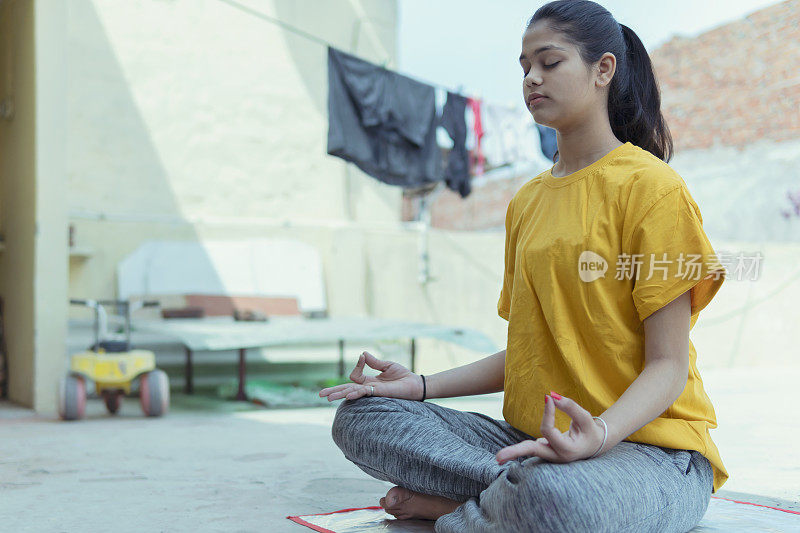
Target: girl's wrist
{"type": "Point", "coordinates": [604, 444]}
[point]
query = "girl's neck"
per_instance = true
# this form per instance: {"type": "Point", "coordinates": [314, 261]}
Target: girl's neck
{"type": "Point", "coordinates": [580, 147]}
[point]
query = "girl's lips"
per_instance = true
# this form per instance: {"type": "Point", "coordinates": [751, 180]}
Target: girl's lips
{"type": "Point", "coordinates": [537, 100]}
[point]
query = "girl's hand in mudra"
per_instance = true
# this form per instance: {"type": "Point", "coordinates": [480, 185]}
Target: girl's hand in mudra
{"type": "Point", "coordinates": [583, 438]}
{"type": "Point", "coordinates": [394, 381]}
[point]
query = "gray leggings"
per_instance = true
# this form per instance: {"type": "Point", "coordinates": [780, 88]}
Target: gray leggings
{"type": "Point", "coordinates": [433, 449]}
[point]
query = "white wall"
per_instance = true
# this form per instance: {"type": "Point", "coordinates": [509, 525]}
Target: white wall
{"type": "Point", "coordinates": [198, 108]}
{"type": "Point", "coordinates": [51, 265]}
{"type": "Point", "coordinates": [741, 192]}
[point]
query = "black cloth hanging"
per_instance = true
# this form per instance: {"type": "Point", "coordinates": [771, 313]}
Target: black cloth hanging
{"type": "Point", "coordinates": [456, 174]}
{"type": "Point", "coordinates": [381, 121]}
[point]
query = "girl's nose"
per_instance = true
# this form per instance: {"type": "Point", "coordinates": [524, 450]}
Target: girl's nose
{"type": "Point", "coordinates": [533, 80]}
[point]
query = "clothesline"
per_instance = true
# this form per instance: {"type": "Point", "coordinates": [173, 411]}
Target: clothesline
{"type": "Point", "coordinates": [508, 139]}
{"type": "Point", "coordinates": [318, 40]}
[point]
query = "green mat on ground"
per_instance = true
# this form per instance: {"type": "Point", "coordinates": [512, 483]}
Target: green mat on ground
{"type": "Point", "coordinates": [274, 395]}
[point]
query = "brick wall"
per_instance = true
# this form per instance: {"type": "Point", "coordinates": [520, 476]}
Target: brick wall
{"type": "Point", "coordinates": [484, 208]}
{"type": "Point", "coordinates": [728, 86]}
{"type": "Point", "coordinates": [736, 83]}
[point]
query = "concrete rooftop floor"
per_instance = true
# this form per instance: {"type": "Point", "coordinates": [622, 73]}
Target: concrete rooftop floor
{"type": "Point", "coordinates": [225, 466]}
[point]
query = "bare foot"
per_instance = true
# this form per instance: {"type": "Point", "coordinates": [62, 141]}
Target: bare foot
{"type": "Point", "coordinates": [405, 504]}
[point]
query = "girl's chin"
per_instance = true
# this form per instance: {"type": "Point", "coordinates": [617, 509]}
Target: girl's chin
{"type": "Point", "coordinates": [541, 118]}
{"type": "Point", "coordinates": [538, 111]}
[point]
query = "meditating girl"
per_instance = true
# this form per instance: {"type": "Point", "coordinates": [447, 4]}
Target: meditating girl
{"type": "Point", "coordinates": [607, 266]}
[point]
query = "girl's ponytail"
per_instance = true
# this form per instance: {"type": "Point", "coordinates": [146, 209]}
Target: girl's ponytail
{"type": "Point", "coordinates": [634, 102]}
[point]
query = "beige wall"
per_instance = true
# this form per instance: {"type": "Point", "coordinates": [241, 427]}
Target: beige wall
{"type": "Point", "coordinates": [168, 110]}
{"type": "Point", "coordinates": [194, 120]}
{"type": "Point", "coordinates": [195, 113]}
{"type": "Point", "coordinates": [17, 175]}
{"type": "Point", "coordinates": [198, 108]}
{"type": "Point", "coordinates": [50, 286]}
{"type": "Point", "coordinates": [33, 264]}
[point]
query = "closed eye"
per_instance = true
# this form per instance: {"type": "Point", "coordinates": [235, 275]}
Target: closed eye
{"type": "Point", "coordinates": [552, 65]}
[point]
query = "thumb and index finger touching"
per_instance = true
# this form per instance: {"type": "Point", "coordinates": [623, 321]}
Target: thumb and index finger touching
{"type": "Point", "coordinates": [357, 375]}
{"type": "Point", "coordinates": [580, 418]}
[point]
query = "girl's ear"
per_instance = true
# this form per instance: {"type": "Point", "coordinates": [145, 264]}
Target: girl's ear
{"type": "Point", "coordinates": [606, 67]}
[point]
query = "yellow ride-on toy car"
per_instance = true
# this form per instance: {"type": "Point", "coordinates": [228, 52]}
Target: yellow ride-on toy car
{"type": "Point", "coordinates": [112, 365]}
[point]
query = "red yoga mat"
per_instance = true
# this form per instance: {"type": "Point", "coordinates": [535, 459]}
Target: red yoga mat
{"type": "Point", "coordinates": [723, 515]}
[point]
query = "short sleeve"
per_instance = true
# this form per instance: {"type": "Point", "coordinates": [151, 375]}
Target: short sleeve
{"type": "Point", "coordinates": [504, 303]}
{"type": "Point", "coordinates": [672, 254]}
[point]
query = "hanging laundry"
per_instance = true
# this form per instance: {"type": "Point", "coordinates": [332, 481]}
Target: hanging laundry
{"type": "Point", "coordinates": [510, 137]}
{"type": "Point", "coordinates": [381, 121]}
{"type": "Point", "coordinates": [548, 141]}
{"type": "Point", "coordinates": [476, 154]}
{"type": "Point", "coordinates": [442, 137]}
{"type": "Point", "coordinates": [456, 174]}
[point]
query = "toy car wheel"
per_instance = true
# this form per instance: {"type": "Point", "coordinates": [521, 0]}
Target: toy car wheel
{"type": "Point", "coordinates": [72, 397]}
{"type": "Point", "coordinates": [113, 399]}
{"type": "Point", "coordinates": [154, 393]}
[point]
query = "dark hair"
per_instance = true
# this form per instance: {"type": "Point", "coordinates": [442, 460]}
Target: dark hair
{"type": "Point", "coordinates": [634, 102]}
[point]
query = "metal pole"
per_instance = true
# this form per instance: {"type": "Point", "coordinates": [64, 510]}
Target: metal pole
{"type": "Point", "coordinates": [413, 354]}
{"type": "Point", "coordinates": [240, 395]}
{"type": "Point", "coordinates": [127, 326]}
{"type": "Point", "coordinates": [188, 377]}
{"type": "Point", "coordinates": [96, 347]}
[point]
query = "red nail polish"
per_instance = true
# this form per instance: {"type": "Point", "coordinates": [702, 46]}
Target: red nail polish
{"type": "Point", "coordinates": [545, 399]}
{"type": "Point", "coordinates": [555, 395]}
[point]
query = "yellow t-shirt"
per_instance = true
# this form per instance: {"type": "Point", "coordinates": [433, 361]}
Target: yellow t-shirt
{"type": "Point", "coordinates": [575, 327]}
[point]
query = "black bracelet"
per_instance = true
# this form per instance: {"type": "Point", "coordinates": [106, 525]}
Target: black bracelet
{"type": "Point", "coordinates": [424, 388]}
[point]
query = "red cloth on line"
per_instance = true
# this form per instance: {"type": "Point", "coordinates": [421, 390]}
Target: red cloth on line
{"type": "Point", "coordinates": [477, 159]}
